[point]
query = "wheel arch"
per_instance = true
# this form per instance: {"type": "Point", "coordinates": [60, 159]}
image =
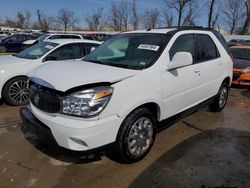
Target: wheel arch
{"type": "Point", "coordinates": [7, 80]}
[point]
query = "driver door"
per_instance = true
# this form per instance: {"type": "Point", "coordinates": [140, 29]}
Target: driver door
{"type": "Point", "coordinates": [181, 86]}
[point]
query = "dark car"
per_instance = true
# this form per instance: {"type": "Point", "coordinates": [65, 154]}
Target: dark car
{"type": "Point", "coordinates": [14, 42]}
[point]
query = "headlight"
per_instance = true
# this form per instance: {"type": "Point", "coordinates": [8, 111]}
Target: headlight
{"type": "Point", "coordinates": [246, 71]}
{"type": "Point", "coordinates": [87, 103]}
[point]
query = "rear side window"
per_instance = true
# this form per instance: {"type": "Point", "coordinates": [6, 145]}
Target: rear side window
{"type": "Point", "coordinates": [184, 43]}
{"type": "Point", "coordinates": [206, 49]}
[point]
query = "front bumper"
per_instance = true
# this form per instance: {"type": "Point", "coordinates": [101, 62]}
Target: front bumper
{"type": "Point", "coordinates": [70, 133]}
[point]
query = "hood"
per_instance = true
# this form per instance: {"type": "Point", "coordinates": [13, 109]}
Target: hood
{"type": "Point", "coordinates": [241, 63]}
{"type": "Point", "coordinates": [66, 75]}
{"type": "Point", "coordinates": [6, 60]}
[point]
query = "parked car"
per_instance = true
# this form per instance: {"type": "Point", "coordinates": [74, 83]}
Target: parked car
{"type": "Point", "coordinates": [14, 68]}
{"type": "Point", "coordinates": [241, 67]}
{"type": "Point", "coordinates": [120, 98]}
{"type": "Point", "coordinates": [13, 43]}
{"type": "Point", "coordinates": [54, 36]}
{"type": "Point", "coordinates": [4, 34]}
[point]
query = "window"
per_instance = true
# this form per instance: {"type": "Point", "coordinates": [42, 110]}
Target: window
{"type": "Point", "coordinates": [184, 43]}
{"type": "Point", "coordinates": [133, 51]}
{"type": "Point", "coordinates": [69, 51]}
{"type": "Point", "coordinates": [37, 51]}
{"type": "Point", "coordinates": [206, 49]}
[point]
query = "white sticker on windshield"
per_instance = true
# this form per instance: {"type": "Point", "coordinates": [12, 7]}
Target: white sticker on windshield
{"type": "Point", "coordinates": [49, 47]}
{"type": "Point", "coordinates": [148, 47]}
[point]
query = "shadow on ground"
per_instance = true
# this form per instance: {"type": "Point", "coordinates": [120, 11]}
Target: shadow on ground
{"type": "Point", "coordinates": [51, 148]}
{"type": "Point", "coordinates": [213, 158]}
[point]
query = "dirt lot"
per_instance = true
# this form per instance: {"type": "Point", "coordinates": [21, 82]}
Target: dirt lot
{"type": "Point", "coordinates": [203, 150]}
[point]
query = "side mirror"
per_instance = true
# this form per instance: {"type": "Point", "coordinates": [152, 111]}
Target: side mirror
{"type": "Point", "coordinates": [180, 59]}
{"type": "Point", "coordinates": [50, 58]}
{"type": "Point", "coordinates": [92, 49]}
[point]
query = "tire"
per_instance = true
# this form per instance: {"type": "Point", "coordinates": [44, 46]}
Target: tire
{"type": "Point", "coordinates": [15, 91]}
{"type": "Point", "coordinates": [220, 99]}
{"type": "Point", "coordinates": [126, 148]}
{"type": "Point", "coordinates": [3, 49]}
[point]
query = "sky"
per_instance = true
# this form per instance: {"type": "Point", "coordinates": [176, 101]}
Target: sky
{"type": "Point", "coordinates": [79, 7]}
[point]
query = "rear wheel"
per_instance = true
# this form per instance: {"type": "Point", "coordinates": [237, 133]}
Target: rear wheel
{"type": "Point", "coordinates": [15, 91]}
{"type": "Point", "coordinates": [220, 99]}
{"type": "Point", "coordinates": [136, 136]}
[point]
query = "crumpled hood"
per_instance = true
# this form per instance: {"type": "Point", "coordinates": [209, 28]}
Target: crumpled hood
{"type": "Point", "coordinates": [6, 60]}
{"type": "Point", "coordinates": [65, 75]}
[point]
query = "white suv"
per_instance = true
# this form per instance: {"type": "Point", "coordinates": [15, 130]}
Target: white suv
{"type": "Point", "coordinates": [124, 88]}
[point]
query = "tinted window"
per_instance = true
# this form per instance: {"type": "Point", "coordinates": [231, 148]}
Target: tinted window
{"type": "Point", "coordinates": [184, 43]}
{"type": "Point", "coordinates": [222, 40]}
{"type": "Point", "coordinates": [240, 53]}
{"type": "Point", "coordinates": [206, 49]}
{"type": "Point", "coordinates": [69, 51]}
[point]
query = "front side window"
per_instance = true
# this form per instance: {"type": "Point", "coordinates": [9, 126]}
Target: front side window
{"type": "Point", "coordinates": [206, 49]}
{"type": "Point", "coordinates": [132, 51]}
{"type": "Point", "coordinates": [37, 51]}
{"type": "Point", "coordinates": [68, 51]}
{"type": "Point", "coordinates": [184, 43]}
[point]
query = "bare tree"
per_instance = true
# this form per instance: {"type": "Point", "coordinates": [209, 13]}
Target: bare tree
{"type": "Point", "coordinates": [134, 15]}
{"type": "Point", "coordinates": [27, 15]}
{"type": "Point", "coordinates": [232, 11]}
{"type": "Point", "coordinates": [211, 6]}
{"type": "Point", "coordinates": [151, 18]}
{"type": "Point", "coordinates": [119, 18]}
{"type": "Point", "coordinates": [168, 19]}
{"type": "Point", "coordinates": [20, 19]}
{"type": "Point", "coordinates": [9, 22]}
{"type": "Point", "coordinates": [96, 21]}
{"type": "Point", "coordinates": [179, 6]}
{"type": "Point", "coordinates": [247, 22]}
{"type": "Point", "coordinates": [43, 22]}
{"type": "Point", "coordinates": [66, 19]}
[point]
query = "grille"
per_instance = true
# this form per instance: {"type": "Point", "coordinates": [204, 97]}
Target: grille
{"type": "Point", "coordinates": [44, 99]}
{"type": "Point", "coordinates": [236, 75]}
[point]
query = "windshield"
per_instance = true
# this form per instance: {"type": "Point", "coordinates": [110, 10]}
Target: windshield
{"type": "Point", "coordinates": [132, 51]}
{"type": "Point", "coordinates": [37, 51]}
{"type": "Point", "coordinates": [42, 37]}
{"type": "Point", "coordinates": [240, 53]}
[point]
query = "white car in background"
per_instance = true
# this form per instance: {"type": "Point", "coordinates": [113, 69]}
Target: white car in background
{"type": "Point", "coordinates": [46, 37]}
{"type": "Point", "coordinates": [14, 68]}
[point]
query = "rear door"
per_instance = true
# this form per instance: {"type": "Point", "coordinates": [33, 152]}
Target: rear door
{"type": "Point", "coordinates": [211, 65]}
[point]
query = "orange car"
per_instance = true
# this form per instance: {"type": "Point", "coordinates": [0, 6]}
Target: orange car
{"type": "Point", "coordinates": [241, 68]}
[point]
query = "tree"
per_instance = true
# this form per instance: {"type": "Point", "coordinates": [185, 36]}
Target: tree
{"type": "Point", "coordinates": [247, 22]}
{"type": "Point", "coordinates": [66, 19]}
{"type": "Point", "coordinates": [179, 6]}
{"type": "Point", "coordinates": [20, 20]}
{"type": "Point", "coordinates": [134, 15]}
{"type": "Point", "coordinates": [119, 18]}
{"type": "Point", "coordinates": [43, 22]}
{"type": "Point", "coordinates": [9, 22]}
{"type": "Point", "coordinates": [151, 18]}
{"type": "Point", "coordinates": [96, 21]}
{"type": "Point", "coordinates": [233, 14]}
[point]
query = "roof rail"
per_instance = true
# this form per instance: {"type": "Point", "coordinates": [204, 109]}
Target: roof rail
{"type": "Point", "coordinates": [186, 28]}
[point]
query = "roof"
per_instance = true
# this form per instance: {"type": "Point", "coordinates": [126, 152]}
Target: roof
{"type": "Point", "coordinates": [241, 47]}
{"type": "Point", "coordinates": [67, 41]}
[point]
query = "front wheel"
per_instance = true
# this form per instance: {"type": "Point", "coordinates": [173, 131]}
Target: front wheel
{"type": "Point", "coordinates": [15, 91]}
{"type": "Point", "coordinates": [220, 99]}
{"type": "Point", "coordinates": [136, 136]}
